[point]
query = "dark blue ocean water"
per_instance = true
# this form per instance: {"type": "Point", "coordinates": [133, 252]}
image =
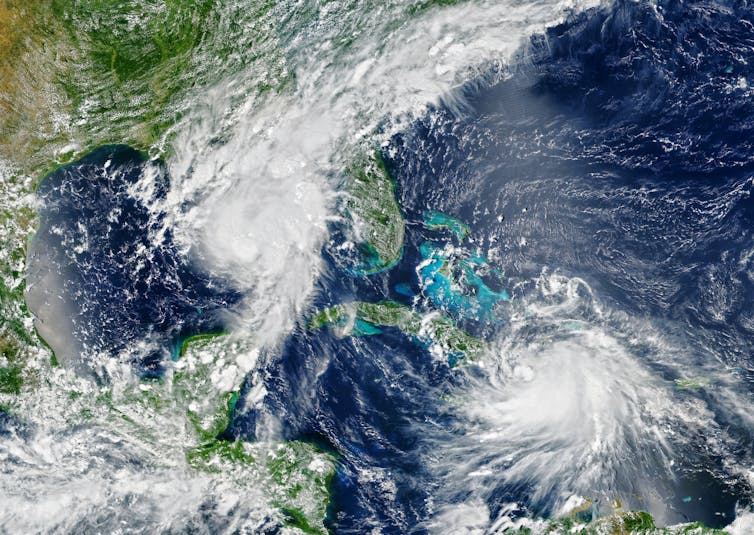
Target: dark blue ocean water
{"type": "Point", "coordinates": [104, 252]}
{"type": "Point", "coordinates": [617, 148]}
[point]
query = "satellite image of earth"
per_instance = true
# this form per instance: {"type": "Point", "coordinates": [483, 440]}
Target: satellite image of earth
{"type": "Point", "coordinates": [377, 267]}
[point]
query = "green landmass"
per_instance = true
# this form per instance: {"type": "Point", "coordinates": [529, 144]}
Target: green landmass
{"type": "Point", "coordinates": [618, 523]}
{"type": "Point", "coordinates": [11, 367]}
{"type": "Point", "coordinates": [202, 392]}
{"type": "Point", "coordinates": [425, 5]}
{"type": "Point", "coordinates": [84, 73]}
{"type": "Point", "coordinates": [692, 383]}
{"type": "Point", "coordinates": [434, 220]}
{"type": "Point", "coordinates": [186, 342]}
{"type": "Point", "coordinates": [79, 74]}
{"type": "Point", "coordinates": [375, 215]}
{"type": "Point", "coordinates": [432, 329]}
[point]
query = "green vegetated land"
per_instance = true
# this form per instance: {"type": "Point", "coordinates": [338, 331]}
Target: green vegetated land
{"type": "Point", "coordinates": [431, 329]}
{"type": "Point", "coordinates": [618, 523]}
{"type": "Point", "coordinates": [375, 215]}
{"type": "Point", "coordinates": [78, 74]}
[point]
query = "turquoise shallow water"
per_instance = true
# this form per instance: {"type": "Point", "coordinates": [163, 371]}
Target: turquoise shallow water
{"type": "Point", "coordinates": [606, 187]}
